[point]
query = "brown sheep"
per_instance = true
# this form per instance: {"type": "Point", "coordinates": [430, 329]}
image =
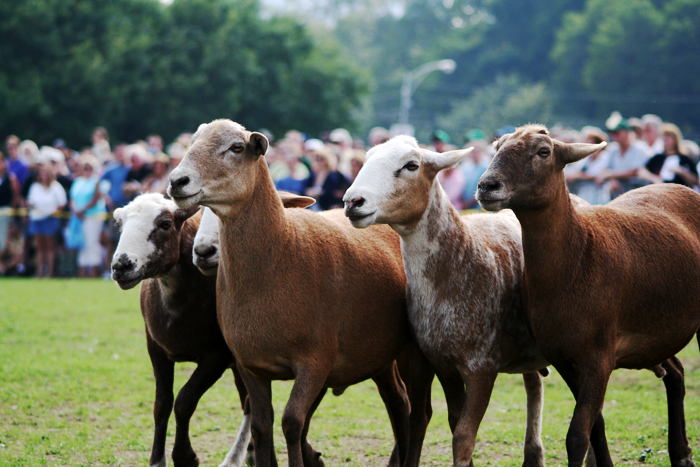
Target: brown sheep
{"type": "Point", "coordinates": [604, 287]}
{"type": "Point", "coordinates": [300, 295]}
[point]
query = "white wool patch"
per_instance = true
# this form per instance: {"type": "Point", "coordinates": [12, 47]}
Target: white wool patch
{"type": "Point", "coordinates": [208, 232]}
{"type": "Point", "coordinates": [465, 327]}
{"type": "Point", "coordinates": [137, 222]}
{"type": "Point", "coordinates": [237, 454]}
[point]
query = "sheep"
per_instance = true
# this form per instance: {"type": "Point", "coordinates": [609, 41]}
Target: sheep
{"type": "Point", "coordinates": [179, 308]}
{"type": "Point", "coordinates": [463, 287]}
{"type": "Point", "coordinates": [300, 295]}
{"type": "Point", "coordinates": [604, 287]}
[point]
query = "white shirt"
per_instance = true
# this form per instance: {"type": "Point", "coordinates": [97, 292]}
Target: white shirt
{"type": "Point", "coordinates": [45, 201]}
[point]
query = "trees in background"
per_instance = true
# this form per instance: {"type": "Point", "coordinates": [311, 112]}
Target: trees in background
{"type": "Point", "coordinates": [583, 58]}
{"type": "Point", "coordinates": [138, 66]}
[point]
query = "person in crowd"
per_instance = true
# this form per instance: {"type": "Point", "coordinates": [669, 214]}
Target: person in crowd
{"type": "Point", "coordinates": [45, 198]}
{"type": "Point", "coordinates": [89, 206]}
{"type": "Point", "coordinates": [472, 168]}
{"type": "Point", "coordinates": [115, 177]}
{"type": "Point", "coordinates": [140, 169]}
{"type": "Point", "coordinates": [157, 181]}
{"type": "Point", "coordinates": [16, 165]}
{"type": "Point", "coordinates": [294, 173]}
{"type": "Point", "coordinates": [378, 135]}
{"type": "Point", "coordinates": [12, 252]}
{"type": "Point", "coordinates": [439, 139]}
{"type": "Point", "coordinates": [671, 165]}
{"type": "Point", "coordinates": [582, 176]}
{"type": "Point", "coordinates": [651, 134]}
{"type": "Point", "coordinates": [100, 145]}
{"type": "Point", "coordinates": [627, 156]}
{"type": "Point", "coordinates": [155, 144]}
{"type": "Point", "coordinates": [325, 183]}
{"type": "Point", "coordinates": [27, 151]}
{"type": "Point", "coordinates": [340, 142]}
{"type": "Point", "coordinates": [453, 181]}
{"type": "Point", "coordinates": [356, 162]}
{"type": "Point", "coordinates": [9, 198]}
{"type": "Point", "coordinates": [638, 128]}
{"type": "Point", "coordinates": [176, 151]}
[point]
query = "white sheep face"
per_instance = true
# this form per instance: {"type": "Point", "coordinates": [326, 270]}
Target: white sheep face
{"type": "Point", "coordinates": [393, 186]}
{"type": "Point", "coordinates": [149, 241]}
{"type": "Point", "coordinates": [205, 250]}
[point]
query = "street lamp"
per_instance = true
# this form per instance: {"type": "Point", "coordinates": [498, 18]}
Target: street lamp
{"type": "Point", "coordinates": [418, 75]}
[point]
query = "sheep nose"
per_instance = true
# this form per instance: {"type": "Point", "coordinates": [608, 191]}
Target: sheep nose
{"type": "Point", "coordinates": [180, 182]}
{"type": "Point", "coordinates": [205, 251]}
{"type": "Point", "coordinates": [354, 203]}
{"type": "Point", "coordinates": [486, 185]}
{"type": "Point", "coordinates": [122, 264]}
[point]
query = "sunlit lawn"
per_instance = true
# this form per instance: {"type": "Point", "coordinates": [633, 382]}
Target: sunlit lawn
{"type": "Point", "coordinates": [76, 389]}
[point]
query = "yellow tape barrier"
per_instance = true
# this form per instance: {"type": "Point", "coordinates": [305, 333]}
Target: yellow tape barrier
{"type": "Point", "coordinates": [22, 212]}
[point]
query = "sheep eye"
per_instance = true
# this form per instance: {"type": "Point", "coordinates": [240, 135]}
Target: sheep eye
{"type": "Point", "coordinates": [238, 147]}
{"type": "Point", "coordinates": [544, 152]}
{"type": "Point", "coordinates": [411, 166]}
{"type": "Point", "coordinates": [165, 225]}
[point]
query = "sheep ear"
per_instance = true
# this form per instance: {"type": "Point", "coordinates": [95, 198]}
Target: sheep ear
{"type": "Point", "coordinates": [447, 159]}
{"type": "Point", "coordinates": [291, 200]}
{"type": "Point", "coordinates": [117, 212]}
{"type": "Point", "coordinates": [572, 152]}
{"type": "Point", "coordinates": [181, 215]}
{"type": "Point", "coordinates": [258, 143]}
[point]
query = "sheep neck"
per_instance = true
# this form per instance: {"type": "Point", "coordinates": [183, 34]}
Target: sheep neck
{"type": "Point", "coordinates": [439, 222]}
{"type": "Point", "coordinates": [252, 240]}
{"type": "Point", "coordinates": [553, 243]}
{"type": "Point", "coordinates": [175, 285]}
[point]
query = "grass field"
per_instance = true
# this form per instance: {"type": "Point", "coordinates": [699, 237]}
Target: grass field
{"type": "Point", "coordinates": [76, 389]}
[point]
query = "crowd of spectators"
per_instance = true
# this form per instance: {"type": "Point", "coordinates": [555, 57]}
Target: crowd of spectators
{"type": "Point", "coordinates": [56, 203]}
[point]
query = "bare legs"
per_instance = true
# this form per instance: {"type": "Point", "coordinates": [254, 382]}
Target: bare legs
{"type": "Point", "coordinates": [45, 255]}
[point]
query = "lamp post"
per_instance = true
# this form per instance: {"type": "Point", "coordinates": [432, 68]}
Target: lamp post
{"type": "Point", "coordinates": [418, 75]}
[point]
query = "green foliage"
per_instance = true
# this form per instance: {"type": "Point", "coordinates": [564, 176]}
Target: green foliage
{"type": "Point", "coordinates": [136, 67]}
{"type": "Point", "coordinates": [638, 57]}
{"type": "Point", "coordinates": [508, 100]}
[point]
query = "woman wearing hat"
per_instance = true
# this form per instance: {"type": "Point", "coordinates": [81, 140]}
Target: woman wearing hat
{"type": "Point", "coordinates": [89, 206]}
{"type": "Point", "coordinates": [670, 166]}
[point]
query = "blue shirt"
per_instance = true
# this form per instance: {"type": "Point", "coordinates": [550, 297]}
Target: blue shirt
{"type": "Point", "coordinates": [20, 169]}
{"type": "Point", "coordinates": [116, 176]}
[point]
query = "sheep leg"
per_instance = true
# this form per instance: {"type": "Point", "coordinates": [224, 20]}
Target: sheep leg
{"type": "Point", "coordinates": [587, 425]}
{"type": "Point", "coordinates": [308, 385]}
{"type": "Point", "coordinates": [678, 447]}
{"type": "Point", "coordinates": [163, 370]}
{"type": "Point", "coordinates": [208, 372]}
{"type": "Point", "coordinates": [455, 395]}
{"type": "Point", "coordinates": [421, 374]}
{"type": "Point", "coordinates": [534, 449]}
{"type": "Point", "coordinates": [393, 393]}
{"type": "Point", "coordinates": [479, 386]}
{"type": "Point", "coordinates": [262, 417]}
{"type": "Point", "coordinates": [243, 446]}
{"type": "Point", "coordinates": [312, 458]}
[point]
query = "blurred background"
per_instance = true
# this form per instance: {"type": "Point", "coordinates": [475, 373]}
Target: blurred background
{"type": "Point", "coordinates": [142, 66]}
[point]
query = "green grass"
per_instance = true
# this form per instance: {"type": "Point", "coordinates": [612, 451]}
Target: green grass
{"type": "Point", "coordinates": [76, 389]}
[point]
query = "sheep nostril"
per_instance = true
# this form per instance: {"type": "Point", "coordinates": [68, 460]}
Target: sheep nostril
{"type": "Point", "coordinates": [355, 203]}
{"type": "Point", "coordinates": [180, 182]}
{"type": "Point", "coordinates": [205, 252]}
{"type": "Point", "coordinates": [122, 264]}
{"type": "Point", "coordinates": [489, 185]}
